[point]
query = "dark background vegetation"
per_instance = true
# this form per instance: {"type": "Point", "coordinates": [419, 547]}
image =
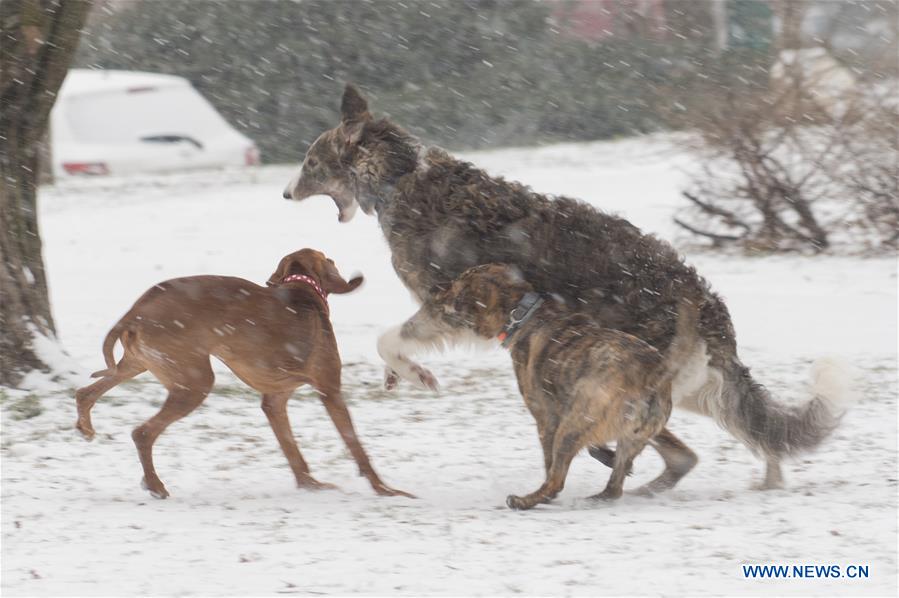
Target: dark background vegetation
{"type": "Point", "coordinates": [783, 166]}
{"type": "Point", "coordinates": [461, 74]}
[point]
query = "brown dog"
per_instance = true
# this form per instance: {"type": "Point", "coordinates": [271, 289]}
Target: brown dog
{"type": "Point", "coordinates": [584, 384]}
{"type": "Point", "coordinates": [274, 339]}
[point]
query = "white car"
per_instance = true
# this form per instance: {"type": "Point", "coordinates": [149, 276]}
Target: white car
{"type": "Point", "coordinates": [126, 122]}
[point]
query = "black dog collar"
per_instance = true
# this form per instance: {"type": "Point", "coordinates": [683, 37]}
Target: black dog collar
{"type": "Point", "coordinates": [518, 316]}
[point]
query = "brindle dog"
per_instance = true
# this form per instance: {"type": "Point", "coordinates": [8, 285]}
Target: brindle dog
{"type": "Point", "coordinates": [584, 384]}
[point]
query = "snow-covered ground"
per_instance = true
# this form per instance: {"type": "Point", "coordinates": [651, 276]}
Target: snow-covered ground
{"type": "Point", "coordinates": [75, 521]}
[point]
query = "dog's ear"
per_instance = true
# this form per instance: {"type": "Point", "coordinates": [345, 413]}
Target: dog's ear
{"type": "Point", "coordinates": [354, 115]}
{"type": "Point", "coordinates": [333, 282]}
{"type": "Point", "coordinates": [353, 107]}
{"type": "Point", "coordinates": [279, 273]}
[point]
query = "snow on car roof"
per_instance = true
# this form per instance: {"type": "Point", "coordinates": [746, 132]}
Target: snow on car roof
{"type": "Point", "coordinates": [84, 81]}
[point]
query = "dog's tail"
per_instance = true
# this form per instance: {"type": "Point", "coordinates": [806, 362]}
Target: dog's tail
{"type": "Point", "coordinates": [686, 339]}
{"type": "Point", "coordinates": [108, 345]}
{"type": "Point", "coordinates": [747, 410]}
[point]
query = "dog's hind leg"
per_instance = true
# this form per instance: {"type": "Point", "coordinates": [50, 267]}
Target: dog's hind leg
{"type": "Point", "coordinates": [625, 452]}
{"type": "Point", "coordinates": [275, 408]}
{"type": "Point", "coordinates": [773, 475]}
{"type": "Point", "coordinates": [604, 455]}
{"type": "Point", "coordinates": [85, 397]}
{"type": "Point", "coordinates": [679, 460]}
{"type": "Point", "coordinates": [186, 392]}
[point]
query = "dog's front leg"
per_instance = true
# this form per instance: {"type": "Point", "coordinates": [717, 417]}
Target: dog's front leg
{"type": "Point", "coordinates": [330, 396]}
{"type": "Point", "coordinates": [395, 346]}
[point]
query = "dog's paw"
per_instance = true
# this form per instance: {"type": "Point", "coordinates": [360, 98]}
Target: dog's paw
{"type": "Point", "coordinates": [310, 483]}
{"type": "Point", "coordinates": [643, 491]}
{"type": "Point", "coordinates": [520, 503]}
{"type": "Point", "coordinates": [86, 431]}
{"type": "Point", "coordinates": [155, 490]}
{"type": "Point", "coordinates": [425, 377]}
{"type": "Point", "coordinates": [391, 379]}
{"type": "Point", "coordinates": [766, 485]}
{"type": "Point", "coordinates": [607, 495]}
{"type": "Point", "coordinates": [383, 489]}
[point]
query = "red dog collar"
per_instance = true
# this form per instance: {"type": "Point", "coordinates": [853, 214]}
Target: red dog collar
{"type": "Point", "coordinates": [308, 280]}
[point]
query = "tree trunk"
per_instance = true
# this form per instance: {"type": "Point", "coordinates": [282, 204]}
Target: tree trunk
{"type": "Point", "coordinates": [39, 41]}
{"type": "Point", "coordinates": [791, 14]}
{"type": "Point", "coordinates": [720, 26]}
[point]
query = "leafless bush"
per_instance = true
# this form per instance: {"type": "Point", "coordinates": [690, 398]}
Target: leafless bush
{"type": "Point", "coordinates": [797, 166]}
{"type": "Point", "coordinates": [871, 148]}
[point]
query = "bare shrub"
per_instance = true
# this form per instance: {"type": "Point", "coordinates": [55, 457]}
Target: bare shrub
{"type": "Point", "coordinates": [797, 164]}
{"type": "Point", "coordinates": [871, 150]}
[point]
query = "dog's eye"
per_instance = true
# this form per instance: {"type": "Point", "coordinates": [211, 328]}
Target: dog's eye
{"type": "Point", "coordinates": [311, 162]}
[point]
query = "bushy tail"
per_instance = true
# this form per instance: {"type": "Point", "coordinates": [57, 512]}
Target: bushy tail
{"type": "Point", "coordinates": [686, 339]}
{"type": "Point", "coordinates": [776, 430]}
{"type": "Point", "coordinates": [108, 345]}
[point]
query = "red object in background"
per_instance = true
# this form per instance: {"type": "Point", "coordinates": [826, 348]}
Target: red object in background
{"type": "Point", "coordinates": [86, 168]}
{"type": "Point", "coordinates": [595, 20]}
{"type": "Point", "coordinates": [251, 156]}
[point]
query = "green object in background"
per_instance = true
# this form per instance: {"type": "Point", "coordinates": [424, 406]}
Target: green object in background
{"type": "Point", "coordinates": [750, 24]}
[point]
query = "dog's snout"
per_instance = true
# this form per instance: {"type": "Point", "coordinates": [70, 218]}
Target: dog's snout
{"type": "Point", "coordinates": [292, 185]}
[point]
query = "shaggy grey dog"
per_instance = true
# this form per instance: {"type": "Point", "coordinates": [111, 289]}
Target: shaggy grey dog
{"type": "Point", "coordinates": [441, 216]}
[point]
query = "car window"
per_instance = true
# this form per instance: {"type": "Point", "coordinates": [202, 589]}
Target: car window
{"type": "Point", "coordinates": [126, 116]}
